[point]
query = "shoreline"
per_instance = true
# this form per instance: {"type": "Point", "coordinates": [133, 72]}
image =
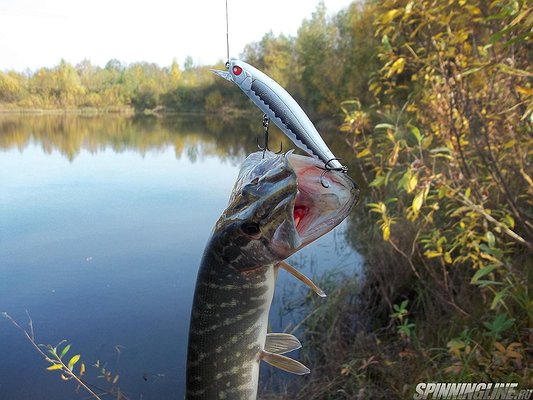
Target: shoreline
{"type": "Point", "coordinates": [67, 111]}
{"type": "Point", "coordinates": [118, 110]}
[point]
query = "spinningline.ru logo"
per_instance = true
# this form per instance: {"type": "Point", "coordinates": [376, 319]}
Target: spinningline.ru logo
{"type": "Point", "coordinates": [484, 391]}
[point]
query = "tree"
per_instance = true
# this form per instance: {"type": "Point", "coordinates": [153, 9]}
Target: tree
{"type": "Point", "coordinates": [12, 87]}
{"type": "Point", "coordinates": [274, 56]}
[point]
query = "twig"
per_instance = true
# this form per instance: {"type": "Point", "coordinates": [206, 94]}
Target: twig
{"type": "Point", "coordinates": [64, 368]}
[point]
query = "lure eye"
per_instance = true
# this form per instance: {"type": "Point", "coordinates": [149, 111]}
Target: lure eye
{"type": "Point", "coordinates": [237, 70]}
{"type": "Point", "coordinates": [251, 228]}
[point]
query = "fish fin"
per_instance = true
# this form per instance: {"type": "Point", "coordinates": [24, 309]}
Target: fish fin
{"type": "Point", "coordinates": [285, 363]}
{"type": "Point", "coordinates": [297, 274]}
{"type": "Point", "coordinates": [281, 343]}
{"type": "Point", "coordinates": [224, 74]}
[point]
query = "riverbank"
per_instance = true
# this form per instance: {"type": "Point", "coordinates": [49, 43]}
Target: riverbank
{"type": "Point", "coordinates": [16, 110]}
{"type": "Point", "coordinates": [445, 217]}
{"type": "Point", "coordinates": [378, 337]}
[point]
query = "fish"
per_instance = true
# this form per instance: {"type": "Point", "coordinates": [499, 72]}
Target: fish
{"type": "Point", "coordinates": [276, 207]}
{"type": "Point", "coordinates": [282, 109]}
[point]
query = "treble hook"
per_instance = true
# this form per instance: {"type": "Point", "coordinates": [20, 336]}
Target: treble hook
{"type": "Point", "coordinates": [266, 122]}
{"type": "Point", "coordinates": [327, 168]}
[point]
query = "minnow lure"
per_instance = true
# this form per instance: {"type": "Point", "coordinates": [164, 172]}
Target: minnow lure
{"type": "Point", "coordinates": [281, 108]}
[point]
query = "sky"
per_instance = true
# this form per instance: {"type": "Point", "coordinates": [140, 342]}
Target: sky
{"type": "Point", "coordinates": [39, 33]}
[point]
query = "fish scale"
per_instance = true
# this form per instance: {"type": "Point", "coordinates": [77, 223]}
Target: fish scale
{"type": "Point", "coordinates": [229, 321]}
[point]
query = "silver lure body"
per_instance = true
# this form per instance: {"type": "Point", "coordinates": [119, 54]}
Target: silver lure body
{"type": "Point", "coordinates": [282, 109]}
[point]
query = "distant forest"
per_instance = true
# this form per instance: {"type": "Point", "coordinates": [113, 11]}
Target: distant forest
{"type": "Point", "coordinates": [328, 61]}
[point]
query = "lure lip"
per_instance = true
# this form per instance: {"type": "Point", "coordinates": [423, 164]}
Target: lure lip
{"type": "Point", "coordinates": [223, 74]}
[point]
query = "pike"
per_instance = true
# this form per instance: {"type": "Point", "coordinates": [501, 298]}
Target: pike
{"type": "Point", "coordinates": [277, 207]}
{"type": "Point", "coordinates": [281, 108]}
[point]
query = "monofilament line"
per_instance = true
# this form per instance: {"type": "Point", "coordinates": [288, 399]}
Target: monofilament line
{"type": "Point", "coordinates": [227, 32]}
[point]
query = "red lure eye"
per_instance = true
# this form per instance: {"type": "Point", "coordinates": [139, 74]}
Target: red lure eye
{"type": "Point", "coordinates": [237, 70]}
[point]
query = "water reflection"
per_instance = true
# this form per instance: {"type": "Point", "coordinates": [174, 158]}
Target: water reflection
{"type": "Point", "coordinates": [192, 136]}
{"type": "Point", "coordinates": [103, 221]}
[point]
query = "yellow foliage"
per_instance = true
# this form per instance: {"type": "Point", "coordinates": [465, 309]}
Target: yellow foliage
{"type": "Point", "coordinates": [396, 68]}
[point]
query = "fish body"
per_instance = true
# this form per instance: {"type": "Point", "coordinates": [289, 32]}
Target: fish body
{"type": "Point", "coordinates": [281, 108]}
{"type": "Point", "coordinates": [277, 207]}
{"type": "Point", "coordinates": [223, 359]}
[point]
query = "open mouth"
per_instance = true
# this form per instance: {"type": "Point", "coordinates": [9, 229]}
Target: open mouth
{"type": "Point", "coordinates": [318, 209]}
{"type": "Point", "coordinates": [300, 212]}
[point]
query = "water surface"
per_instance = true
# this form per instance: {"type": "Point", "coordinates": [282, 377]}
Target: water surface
{"type": "Point", "coordinates": [103, 221]}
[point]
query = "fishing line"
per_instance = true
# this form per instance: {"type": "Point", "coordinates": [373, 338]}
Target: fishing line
{"type": "Point", "coordinates": [227, 34]}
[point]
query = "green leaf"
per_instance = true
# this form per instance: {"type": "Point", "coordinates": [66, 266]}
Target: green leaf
{"type": "Point", "coordinates": [482, 272]}
{"type": "Point", "coordinates": [509, 221]}
{"type": "Point", "coordinates": [484, 283]}
{"type": "Point", "coordinates": [378, 181]}
{"type": "Point", "coordinates": [441, 150]}
{"type": "Point", "coordinates": [416, 133]}
{"type": "Point", "coordinates": [379, 208]}
{"type": "Point", "coordinates": [417, 201]}
{"type": "Point", "coordinates": [64, 351]}
{"type": "Point", "coordinates": [386, 43]}
{"type": "Point", "coordinates": [488, 250]}
{"type": "Point", "coordinates": [456, 344]}
{"type": "Point", "coordinates": [385, 126]}
{"type": "Point", "coordinates": [491, 240]}
{"type": "Point", "coordinates": [73, 361]}
{"type": "Point", "coordinates": [498, 325]}
{"type": "Point", "coordinates": [498, 298]}
{"type": "Point", "coordinates": [54, 367]}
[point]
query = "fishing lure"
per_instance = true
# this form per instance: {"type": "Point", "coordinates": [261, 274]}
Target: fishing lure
{"type": "Point", "coordinates": [280, 107]}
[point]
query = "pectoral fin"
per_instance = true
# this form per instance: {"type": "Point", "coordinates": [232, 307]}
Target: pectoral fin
{"type": "Point", "coordinates": [224, 74]}
{"type": "Point", "coordinates": [297, 274]}
{"type": "Point", "coordinates": [284, 363]}
{"type": "Point", "coordinates": [281, 343]}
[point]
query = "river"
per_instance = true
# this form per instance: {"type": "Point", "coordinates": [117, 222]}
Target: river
{"type": "Point", "coordinates": [103, 221]}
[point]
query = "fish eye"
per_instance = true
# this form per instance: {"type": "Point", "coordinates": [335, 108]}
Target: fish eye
{"type": "Point", "coordinates": [237, 70]}
{"type": "Point", "coordinates": [251, 228]}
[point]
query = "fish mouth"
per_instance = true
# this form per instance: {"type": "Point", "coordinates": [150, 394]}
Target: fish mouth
{"type": "Point", "coordinates": [293, 199]}
{"type": "Point", "coordinates": [317, 209]}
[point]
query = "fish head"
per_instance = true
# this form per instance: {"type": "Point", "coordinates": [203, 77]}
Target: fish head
{"type": "Point", "coordinates": [279, 205]}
